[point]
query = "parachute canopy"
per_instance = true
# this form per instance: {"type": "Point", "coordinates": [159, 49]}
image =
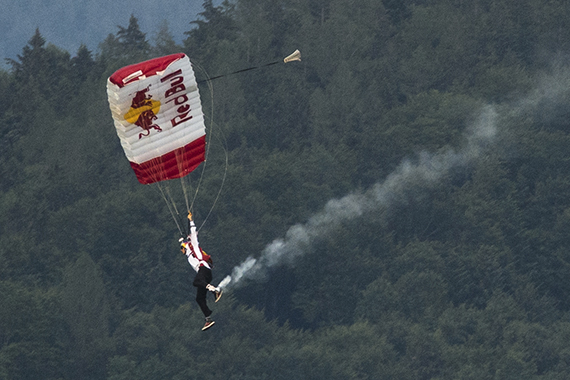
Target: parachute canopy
{"type": "Point", "coordinates": [158, 117]}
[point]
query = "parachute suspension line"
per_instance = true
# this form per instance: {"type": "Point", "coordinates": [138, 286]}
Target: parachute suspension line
{"type": "Point", "coordinates": [171, 206]}
{"type": "Point", "coordinates": [185, 187]}
{"type": "Point", "coordinates": [172, 202]}
{"type": "Point", "coordinates": [295, 56]}
{"type": "Point", "coordinates": [185, 191]}
{"type": "Point", "coordinates": [164, 189]}
{"type": "Point", "coordinates": [180, 163]}
{"type": "Point", "coordinates": [224, 141]}
{"type": "Point", "coordinates": [208, 146]}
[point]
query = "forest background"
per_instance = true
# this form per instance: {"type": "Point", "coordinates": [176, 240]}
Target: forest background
{"type": "Point", "coordinates": [421, 146]}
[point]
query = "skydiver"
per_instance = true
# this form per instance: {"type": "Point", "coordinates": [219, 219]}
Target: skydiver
{"type": "Point", "coordinates": [202, 264]}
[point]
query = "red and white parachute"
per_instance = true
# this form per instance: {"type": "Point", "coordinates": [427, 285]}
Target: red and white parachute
{"type": "Point", "coordinates": [158, 116]}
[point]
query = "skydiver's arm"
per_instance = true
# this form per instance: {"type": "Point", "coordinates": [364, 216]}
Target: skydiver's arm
{"type": "Point", "coordinates": [194, 241]}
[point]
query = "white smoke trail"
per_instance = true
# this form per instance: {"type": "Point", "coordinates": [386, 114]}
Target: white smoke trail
{"type": "Point", "coordinates": [429, 169]}
{"type": "Point", "coordinates": [398, 187]}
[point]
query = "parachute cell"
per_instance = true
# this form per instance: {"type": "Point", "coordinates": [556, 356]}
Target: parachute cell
{"type": "Point", "coordinates": [158, 116]}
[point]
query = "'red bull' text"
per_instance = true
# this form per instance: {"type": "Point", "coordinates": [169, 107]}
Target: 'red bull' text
{"type": "Point", "coordinates": [177, 94]}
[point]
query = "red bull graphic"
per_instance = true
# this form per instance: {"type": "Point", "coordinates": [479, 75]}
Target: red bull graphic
{"type": "Point", "coordinates": [143, 112]}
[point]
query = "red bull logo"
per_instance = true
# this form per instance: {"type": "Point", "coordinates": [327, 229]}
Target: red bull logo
{"type": "Point", "coordinates": [143, 112]}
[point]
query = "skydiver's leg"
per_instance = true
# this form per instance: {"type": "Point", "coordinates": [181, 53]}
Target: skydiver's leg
{"type": "Point", "coordinates": [201, 300]}
{"type": "Point", "coordinates": [203, 278]}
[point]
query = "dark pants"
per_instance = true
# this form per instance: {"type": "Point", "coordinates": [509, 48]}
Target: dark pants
{"type": "Point", "coordinates": [203, 278]}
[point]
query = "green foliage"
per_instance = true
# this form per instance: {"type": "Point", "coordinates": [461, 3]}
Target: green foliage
{"type": "Point", "coordinates": [32, 340]}
{"type": "Point", "coordinates": [465, 277]}
{"type": "Point", "coordinates": [86, 312]}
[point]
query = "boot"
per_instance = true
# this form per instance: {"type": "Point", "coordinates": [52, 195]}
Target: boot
{"type": "Point", "coordinates": [209, 323]}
